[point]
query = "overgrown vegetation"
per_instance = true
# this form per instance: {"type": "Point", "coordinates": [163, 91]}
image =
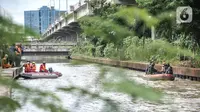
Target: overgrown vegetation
{"type": "Point", "coordinates": [117, 32]}
{"type": "Point", "coordinates": [11, 33]}
{"type": "Point", "coordinates": [124, 32]}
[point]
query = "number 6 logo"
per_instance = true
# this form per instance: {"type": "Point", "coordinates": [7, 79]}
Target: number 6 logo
{"type": "Point", "coordinates": [184, 14]}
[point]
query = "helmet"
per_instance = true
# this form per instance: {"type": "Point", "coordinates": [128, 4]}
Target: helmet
{"type": "Point", "coordinates": [168, 64]}
{"type": "Point", "coordinates": [44, 62]}
{"type": "Point", "coordinates": [33, 62]}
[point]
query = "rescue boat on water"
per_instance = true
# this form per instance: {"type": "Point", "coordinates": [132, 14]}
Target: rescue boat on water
{"type": "Point", "coordinates": [160, 77]}
{"type": "Point", "coordinates": [38, 75]}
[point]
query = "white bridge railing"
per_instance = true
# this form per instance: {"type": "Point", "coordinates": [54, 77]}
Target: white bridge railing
{"type": "Point", "coordinates": [46, 50]}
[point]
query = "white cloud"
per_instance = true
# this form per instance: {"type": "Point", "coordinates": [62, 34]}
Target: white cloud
{"type": "Point", "coordinates": [17, 7]}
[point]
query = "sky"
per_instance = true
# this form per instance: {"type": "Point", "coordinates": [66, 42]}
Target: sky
{"type": "Point", "coordinates": [16, 8]}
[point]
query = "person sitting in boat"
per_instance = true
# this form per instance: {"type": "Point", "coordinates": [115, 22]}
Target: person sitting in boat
{"type": "Point", "coordinates": [169, 69]}
{"type": "Point", "coordinates": [43, 67]}
{"type": "Point", "coordinates": [164, 67]}
{"type": "Point", "coordinates": [27, 66]}
{"type": "Point", "coordinates": [4, 62]}
{"type": "Point", "coordinates": [33, 67]}
{"type": "Point", "coordinates": [151, 69]}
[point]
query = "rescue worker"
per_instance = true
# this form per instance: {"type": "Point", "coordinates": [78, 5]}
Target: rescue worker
{"type": "Point", "coordinates": [17, 50]}
{"type": "Point", "coordinates": [169, 69]}
{"type": "Point", "coordinates": [4, 62]}
{"type": "Point", "coordinates": [164, 67]}
{"type": "Point", "coordinates": [27, 67]}
{"type": "Point", "coordinates": [151, 69]}
{"type": "Point", "coordinates": [21, 48]}
{"type": "Point", "coordinates": [33, 67]}
{"type": "Point", "coordinates": [11, 55]}
{"type": "Point", "coordinates": [43, 67]}
{"type": "Point", "coordinates": [18, 56]}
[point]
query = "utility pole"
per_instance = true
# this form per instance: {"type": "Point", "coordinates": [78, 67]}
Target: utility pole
{"type": "Point", "coordinates": [67, 6]}
{"type": "Point", "coordinates": [52, 6]}
{"type": "Point", "coordinates": [59, 8]}
{"type": "Point", "coordinates": [152, 32]}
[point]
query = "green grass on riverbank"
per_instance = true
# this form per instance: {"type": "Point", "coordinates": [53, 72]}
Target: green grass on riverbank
{"type": "Point", "coordinates": [139, 50]}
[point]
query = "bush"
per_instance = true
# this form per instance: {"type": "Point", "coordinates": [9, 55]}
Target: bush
{"type": "Point", "coordinates": [157, 50]}
{"type": "Point", "coordinates": [110, 51]}
{"type": "Point", "coordinates": [99, 51]}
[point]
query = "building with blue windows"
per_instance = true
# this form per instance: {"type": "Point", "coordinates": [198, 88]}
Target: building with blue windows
{"type": "Point", "coordinates": [31, 20]}
{"type": "Point", "coordinates": [39, 20]}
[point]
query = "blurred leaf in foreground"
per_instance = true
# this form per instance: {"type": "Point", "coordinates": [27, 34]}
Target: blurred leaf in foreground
{"type": "Point", "coordinates": [118, 82]}
{"type": "Point", "coordinates": [48, 100]}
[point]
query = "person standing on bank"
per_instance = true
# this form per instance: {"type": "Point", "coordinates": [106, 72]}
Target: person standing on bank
{"type": "Point", "coordinates": [12, 55]}
{"type": "Point", "coordinates": [18, 56]}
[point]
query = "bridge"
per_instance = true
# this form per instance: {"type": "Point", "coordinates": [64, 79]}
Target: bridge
{"type": "Point", "coordinates": [46, 48]}
{"type": "Point", "coordinates": [66, 28]}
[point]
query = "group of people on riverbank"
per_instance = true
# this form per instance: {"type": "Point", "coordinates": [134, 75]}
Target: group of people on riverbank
{"type": "Point", "coordinates": [11, 56]}
{"type": "Point", "coordinates": [31, 67]}
{"type": "Point", "coordinates": [166, 69]}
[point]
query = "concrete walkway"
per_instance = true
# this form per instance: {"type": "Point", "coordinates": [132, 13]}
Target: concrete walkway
{"type": "Point", "coordinates": [10, 74]}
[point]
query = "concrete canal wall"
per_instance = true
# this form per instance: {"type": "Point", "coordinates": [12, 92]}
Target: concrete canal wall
{"type": "Point", "coordinates": [9, 74]}
{"type": "Point", "coordinates": [181, 72]}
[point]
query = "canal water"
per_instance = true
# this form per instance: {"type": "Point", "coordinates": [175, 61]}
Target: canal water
{"type": "Point", "coordinates": [179, 95]}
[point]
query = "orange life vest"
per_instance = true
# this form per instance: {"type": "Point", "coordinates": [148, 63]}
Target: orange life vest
{"type": "Point", "coordinates": [27, 68]}
{"type": "Point", "coordinates": [19, 50]}
{"type": "Point", "coordinates": [42, 68]}
{"type": "Point", "coordinates": [5, 64]}
{"type": "Point", "coordinates": [33, 68]}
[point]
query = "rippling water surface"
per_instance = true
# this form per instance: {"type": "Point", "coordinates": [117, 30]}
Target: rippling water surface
{"type": "Point", "coordinates": [179, 95]}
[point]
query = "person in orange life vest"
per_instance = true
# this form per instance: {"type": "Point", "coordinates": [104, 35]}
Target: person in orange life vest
{"type": "Point", "coordinates": [43, 67]}
{"type": "Point", "coordinates": [33, 67]}
{"type": "Point", "coordinates": [27, 66]}
{"type": "Point", "coordinates": [5, 63]}
{"type": "Point", "coordinates": [18, 50]}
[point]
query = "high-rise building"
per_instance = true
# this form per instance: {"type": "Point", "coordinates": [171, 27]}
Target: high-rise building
{"type": "Point", "coordinates": [31, 20]}
{"type": "Point", "coordinates": [39, 20]}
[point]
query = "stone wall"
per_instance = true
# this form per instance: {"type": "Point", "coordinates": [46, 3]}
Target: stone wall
{"type": "Point", "coordinates": [185, 71]}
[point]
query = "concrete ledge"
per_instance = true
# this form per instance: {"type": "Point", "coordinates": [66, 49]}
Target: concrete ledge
{"type": "Point", "coordinates": [193, 72]}
{"type": "Point", "coordinates": [10, 74]}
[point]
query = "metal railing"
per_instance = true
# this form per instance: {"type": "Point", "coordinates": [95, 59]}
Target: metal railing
{"type": "Point", "coordinates": [50, 44]}
{"type": "Point", "coordinates": [76, 6]}
{"type": "Point", "coordinates": [45, 50]}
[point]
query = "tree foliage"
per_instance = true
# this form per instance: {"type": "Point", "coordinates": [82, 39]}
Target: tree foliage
{"type": "Point", "coordinates": [168, 28]}
{"type": "Point", "coordinates": [11, 32]}
{"type": "Point", "coordinates": [116, 25]}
